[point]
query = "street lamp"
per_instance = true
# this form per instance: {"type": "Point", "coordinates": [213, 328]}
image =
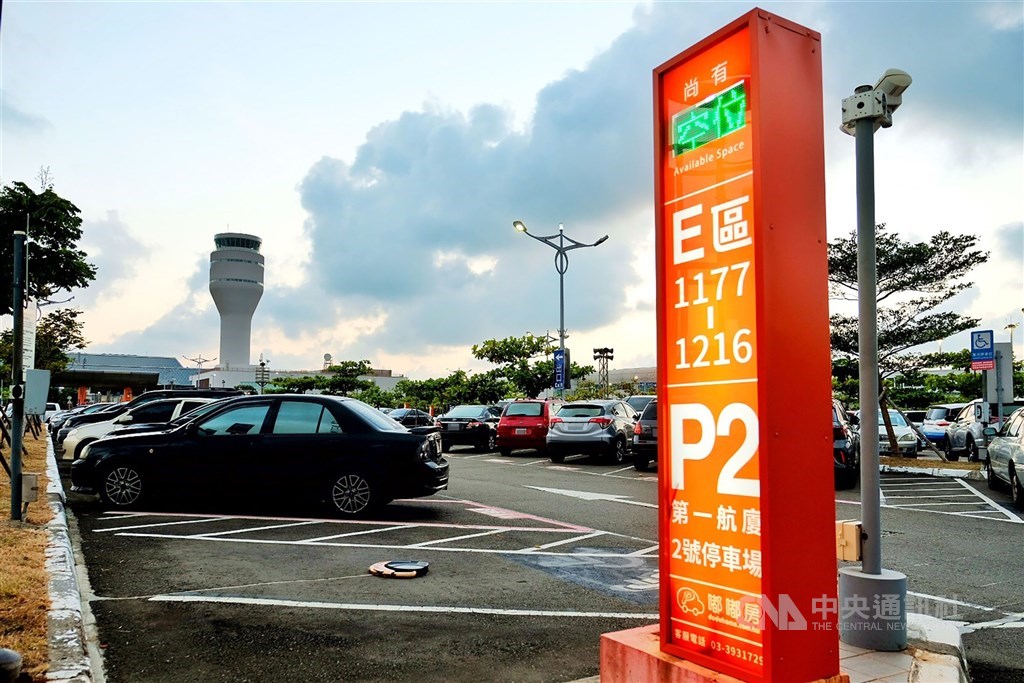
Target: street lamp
{"type": "Point", "coordinates": [558, 243]}
{"type": "Point", "coordinates": [864, 112]}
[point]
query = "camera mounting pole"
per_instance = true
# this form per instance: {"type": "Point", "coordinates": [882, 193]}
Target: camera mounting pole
{"type": "Point", "coordinates": [882, 624]}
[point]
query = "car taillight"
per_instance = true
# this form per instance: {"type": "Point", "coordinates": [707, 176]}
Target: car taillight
{"type": "Point", "coordinates": [603, 421]}
{"type": "Point", "coordinates": [942, 423]}
{"type": "Point", "coordinates": [637, 430]}
{"type": "Point", "coordinates": [556, 420]}
{"type": "Point", "coordinates": [473, 424]}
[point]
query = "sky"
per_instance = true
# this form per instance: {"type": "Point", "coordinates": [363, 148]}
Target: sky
{"type": "Point", "coordinates": [382, 151]}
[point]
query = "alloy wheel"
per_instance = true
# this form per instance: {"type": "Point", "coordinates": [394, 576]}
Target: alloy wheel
{"type": "Point", "coordinates": [351, 494]}
{"type": "Point", "coordinates": [122, 486]}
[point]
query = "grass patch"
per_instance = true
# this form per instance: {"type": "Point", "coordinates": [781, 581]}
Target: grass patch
{"type": "Point", "coordinates": [929, 463]}
{"type": "Point", "coordinates": [24, 582]}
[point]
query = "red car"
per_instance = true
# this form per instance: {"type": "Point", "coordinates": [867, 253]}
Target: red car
{"type": "Point", "coordinates": [524, 424]}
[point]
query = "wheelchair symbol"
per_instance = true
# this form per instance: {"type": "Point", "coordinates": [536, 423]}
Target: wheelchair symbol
{"type": "Point", "coordinates": [981, 342]}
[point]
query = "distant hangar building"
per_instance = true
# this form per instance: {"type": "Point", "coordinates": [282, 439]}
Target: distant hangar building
{"type": "Point", "coordinates": [236, 285]}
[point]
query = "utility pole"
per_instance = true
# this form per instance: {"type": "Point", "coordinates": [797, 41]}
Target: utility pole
{"type": "Point", "coordinates": [18, 379]}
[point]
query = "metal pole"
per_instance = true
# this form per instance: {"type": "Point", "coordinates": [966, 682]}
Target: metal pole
{"type": "Point", "coordinates": [18, 380]}
{"type": "Point", "coordinates": [867, 344]}
{"type": "Point", "coordinates": [561, 265]}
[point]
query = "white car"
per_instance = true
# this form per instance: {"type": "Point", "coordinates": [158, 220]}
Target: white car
{"type": "Point", "coordinates": [907, 442]}
{"type": "Point", "coordinates": [163, 410]}
{"type": "Point", "coordinates": [1006, 457]}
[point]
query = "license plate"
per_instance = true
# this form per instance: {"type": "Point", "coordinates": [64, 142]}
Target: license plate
{"type": "Point", "coordinates": [453, 426]}
{"type": "Point", "coordinates": [574, 427]}
{"type": "Point", "coordinates": [521, 431]}
{"type": "Point", "coordinates": [654, 432]}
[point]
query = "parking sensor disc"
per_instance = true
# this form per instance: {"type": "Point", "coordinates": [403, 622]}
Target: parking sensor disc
{"type": "Point", "coordinates": [400, 569]}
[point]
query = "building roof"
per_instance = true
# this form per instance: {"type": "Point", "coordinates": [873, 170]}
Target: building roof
{"type": "Point", "coordinates": [164, 370]}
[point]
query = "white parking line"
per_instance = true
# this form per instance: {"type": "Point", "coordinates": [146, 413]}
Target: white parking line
{"type": "Point", "coordinates": [147, 526]}
{"type": "Point", "coordinates": [258, 528]}
{"type": "Point", "coordinates": [267, 602]}
{"type": "Point", "coordinates": [563, 542]}
{"type": "Point", "coordinates": [988, 500]}
{"type": "Point", "coordinates": [457, 538]}
{"type": "Point", "coordinates": [359, 533]}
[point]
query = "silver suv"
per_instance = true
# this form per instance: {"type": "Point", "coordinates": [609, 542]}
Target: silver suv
{"type": "Point", "coordinates": [965, 435]}
{"type": "Point", "coordinates": [602, 427]}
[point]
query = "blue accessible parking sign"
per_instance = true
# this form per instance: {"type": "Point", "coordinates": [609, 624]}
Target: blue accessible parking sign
{"type": "Point", "coordinates": [983, 355]}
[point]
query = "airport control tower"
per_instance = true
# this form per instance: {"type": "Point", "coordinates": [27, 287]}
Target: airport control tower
{"type": "Point", "coordinates": [236, 284]}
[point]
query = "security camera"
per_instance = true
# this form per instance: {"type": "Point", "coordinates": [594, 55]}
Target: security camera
{"type": "Point", "coordinates": [893, 82]}
{"type": "Point", "coordinates": [891, 86]}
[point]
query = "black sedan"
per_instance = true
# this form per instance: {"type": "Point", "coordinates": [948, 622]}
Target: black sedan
{"type": "Point", "coordinates": [470, 425]}
{"type": "Point", "coordinates": [412, 417]}
{"type": "Point", "coordinates": [324, 449]}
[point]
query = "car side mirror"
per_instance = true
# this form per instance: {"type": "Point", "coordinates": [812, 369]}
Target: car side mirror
{"type": "Point", "coordinates": [124, 419]}
{"type": "Point", "coordinates": [989, 431]}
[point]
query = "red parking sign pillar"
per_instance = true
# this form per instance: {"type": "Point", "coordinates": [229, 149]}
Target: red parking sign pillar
{"type": "Point", "coordinates": [746, 511]}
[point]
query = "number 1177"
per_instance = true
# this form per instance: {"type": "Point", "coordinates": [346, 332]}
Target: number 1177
{"type": "Point", "coordinates": [702, 290]}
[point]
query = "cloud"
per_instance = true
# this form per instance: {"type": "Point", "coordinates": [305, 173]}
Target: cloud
{"type": "Point", "coordinates": [15, 120]}
{"type": "Point", "coordinates": [412, 248]}
{"type": "Point", "coordinates": [1010, 242]}
{"type": "Point", "coordinates": [110, 246]}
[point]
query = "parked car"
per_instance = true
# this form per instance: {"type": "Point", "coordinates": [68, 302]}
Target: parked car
{"type": "Point", "coordinates": [936, 419]}
{"type": "Point", "coordinates": [639, 402]}
{"type": "Point", "coordinates": [470, 425]}
{"type": "Point", "coordinates": [596, 427]}
{"type": "Point", "coordinates": [51, 410]}
{"type": "Point", "coordinates": [412, 417]}
{"type": "Point", "coordinates": [162, 410]}
{"type": "Point", "coordinates": [524, 424]}
{"type": "Point", "coordinates": [645, 437]}
{"type": "Point", "coordinates": [330, 450]}
{"type": "Point", "coordinates": [965, 435]}
{"type": "Point", "coordinates": [907, 440]}
{"type": "Point", "coordinates": [1005, 460]}
{"type": "Point", "coordinates": [119, 408]}
{"type": "Point", "coordinates": [845, 448]}
{"type": "Point", "coordinates": [183, 418]}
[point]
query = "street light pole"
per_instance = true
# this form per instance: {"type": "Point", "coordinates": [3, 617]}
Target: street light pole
{"type": "Point", "coordinates": [561, 265]}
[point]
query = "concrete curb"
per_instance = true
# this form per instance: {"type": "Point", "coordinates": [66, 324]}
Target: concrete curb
{"type": "Point", "coordinates": [69, 658]}
{"type": "Point", "coordinates": [938, 650]}
{"type": "Point", "coordinates": [973, 475]}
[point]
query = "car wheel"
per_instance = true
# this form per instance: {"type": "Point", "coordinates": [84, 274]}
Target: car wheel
{"type": "Point", "coordinates": [121, 486]}
{"type": "Point", "coordinates": [445, 446]}
{"type": "Point", "coordinates": [556, 457]}
{"type": "Point", "coordinates": [505, 451]}
{"type": "Point", "coordinates": [351, 494]}
{"type": "Point", "coordinates": [618, 450]}
{"type": "Point", "coordinates": [1016, 491]}
{"type": "Point", "coordinates": [489, 445]}
{"type": "Point", "coordinates": [992, 479]}
{"type": "Point", "coordinates": [641, 463]}
{"type": "Point", "coordinates": [947, 448]}
{"type": "Point", "coordinates": [972, 450]}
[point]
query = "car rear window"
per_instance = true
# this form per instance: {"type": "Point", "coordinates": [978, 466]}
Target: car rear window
{"type": "Point", "coordinates": [651, 411]}
{"type": "Point", "coordinates": [580, 411]}
{"type": "Point", "coordinates": [938, 414]}
{"type": "Point", "coordinates": [466, 411]}
{"type": "Point", "coordinates": [525, 409]}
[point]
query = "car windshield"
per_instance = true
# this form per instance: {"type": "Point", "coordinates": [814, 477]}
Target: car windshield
{"type": "Point", "coordinates": [894, 417]}
{"type": "Point", "coordinates": [638, 402]}
{"type": "Point", "coordinates": [581, 411]}
{"type": "Point", "coordinates": [466, 411]}
{"type": "Point", "coordinates": [400, 413]}
{"type": "Point", "coordinates": [374, 417]}
{"type": "Point", "coordinates": [525, 409]}
{"type": "Point", "coordinates": [651, 411]}
{"type": "Point", "coordinates": [195, 412]}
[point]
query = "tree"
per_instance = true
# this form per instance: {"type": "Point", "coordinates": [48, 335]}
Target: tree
{"type": "Point", "coordinates": [57, 333]}
{"type": "Point", "coordinates": [344, 377]}
{"type": "Point", "coordinates": [54, 227]}
{"type": "Point", "coordinates": [915, 279]}
{"type": "Point", "coordinates": [520, 362]}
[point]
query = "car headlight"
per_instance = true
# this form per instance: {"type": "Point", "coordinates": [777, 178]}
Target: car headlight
{"type": "Point", "coordinates": [907, 438]}
{"type": "Point", "coordinates": [85, 452]}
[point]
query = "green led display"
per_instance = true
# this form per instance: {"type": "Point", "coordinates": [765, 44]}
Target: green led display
{"type": "Point", "coordinates": [713, 118]}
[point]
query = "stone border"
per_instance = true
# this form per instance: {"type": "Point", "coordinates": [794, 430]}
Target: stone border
{"type": "Point", "coordinates": [69, 658]}
{"type": "Point", "coordinates": [973, 475]}
{"type": "Point", "coordinates": [938, 650]}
